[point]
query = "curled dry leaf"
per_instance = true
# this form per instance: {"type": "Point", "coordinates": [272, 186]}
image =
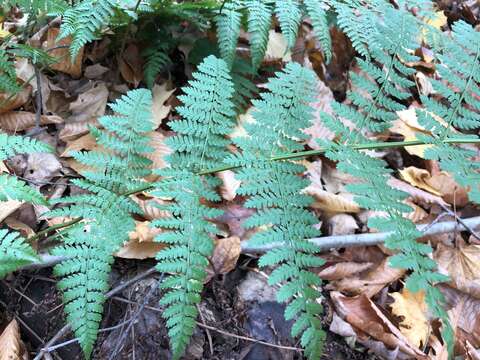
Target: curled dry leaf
{"type": "Point", "coordinates": [225, 256]}
{"type": "Point", "coordinates": [462, 265]}
{"type": "Point", "coordinates": [64, 63]}
{"type": "Point", "coordinates": [11, 345]}
{"type": "Point", "coordinates": [416, 194]}
{"type": "Point", "coordinates": [333, 203]}
{"type": "Point", "coordinates": [23, 120]}
{"type": "Point", "coordinates": [368, 283]}
{"type": "Point", "coordinates": [368, 321]}
{"type": "Point", "coordinates": [141, 245]}
{"type": "Point", "coordinates": [440, 184]}
{"type": "Point", "coordinates": [412, 309]}
{"type": "Point", "coordinates": [160, 96]}
{"type": "Point", "coordinates": [9, 102]}
{"type": "Point", "coordinates": [230, 185]}
{"type": "Point", "coordinates": [417, 214]}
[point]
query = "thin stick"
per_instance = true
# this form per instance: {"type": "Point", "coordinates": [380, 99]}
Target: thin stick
{"type": "Point", "coordinates": [340, 241]}
{"type": "Point", "coordinates": [63, 331]}
{"type": "Point", "coordinates": [461, 221]}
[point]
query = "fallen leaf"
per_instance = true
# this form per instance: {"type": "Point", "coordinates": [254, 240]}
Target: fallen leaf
{"type": "Point", "coordinates": [149, 208]}
{"type": "Point", "coordinates": [368, 321]}
{"type": "Point", "coordinates": [8, 207]}
{"type": "Point", "coordinates": [341, 224]}
{"type": "Point", "coordinates": [130, 65]}
{"type": "Point", "coordinates": [9, 102]}
{"type": "Point", "coordinates": [370, 282]}
{"type": "Point", "coordinates": [95, 71]}
{"type": "Point", "coordinates": [462, 265]}
{"type": "Point", "coordinates": [417, 214]}
{"type": "Point", "coordinates": [411, 307]}
{"type": "Point", "coordinates": [64, 63]}
{"type": "Point", "coordinates": [159, 110]}
{"type": "Point", "coordinates": [160, 150]}
{"type": "Point", "coordinates": [141, 245]}
{"type": "Point", "coordinates": [11, 345]}
{"type": "Point", "coordinates": [23, 120]}
{"type": "Point", "coordinates": [86, 142]}
{"type": "Point", "coordinates": [440, 184]}
{"type": "Point", "coordinates": [416, 194]}
{"type": "Point", "coordinates": [230, 185]}
{"type": "Point", "coordinates": [85, 110]}
{"type": "Point", "coordinates": [225, 256]}
{"type": "Point", "coordinates": [344, 270]}
{"type": "Point", "coordinates": [333, 203]}
{"type": "Point", "coordinates": [23, 228]}
{"type": "Point", "coordinates": [277, 47]}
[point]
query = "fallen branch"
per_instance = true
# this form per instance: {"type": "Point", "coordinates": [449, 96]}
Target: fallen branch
{"type": "Point", "coordinates": [340, 241]}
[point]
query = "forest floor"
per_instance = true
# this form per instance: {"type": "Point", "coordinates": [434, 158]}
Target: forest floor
{"type": "Point", "coordinates": [367, 312]}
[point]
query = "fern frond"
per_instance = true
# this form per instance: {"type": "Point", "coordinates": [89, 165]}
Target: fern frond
{"type": "Point", "coordinates": [457, 102]}
{"type": "Point", "coordinates": [84, 21]}
{"type": "Point", "coordinates": [275, 190]}
{"type": "Point", "coordinates": [105, 209]}
{"type": "Point", "coordinates": [318, 16]}
{"type": "Point", "coordinates": [156, 60]}
{"type": "Point", "coordinates": [12, 188]}
{"type": "Point", "coordinates": [245, 89]}
{"type": "Point", "coordinates": [259, 23]}
{"type": "Point", "coordinates": [11, 145]}
{"type": "Point", "coordinates": [289, 16]}
{"type": "Point", "coordinates": [14, 252]}
{"type": "Point", "coordinates": [228, 30]}
{"type": "Point", "coordinates": [206, 117]}
{"type": "Point", "coordinates": [383, 87]}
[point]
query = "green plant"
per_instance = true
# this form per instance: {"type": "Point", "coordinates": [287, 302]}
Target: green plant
{"type": "Point", "coordinates": [207, 115]}
{"type": "Point", "coordinates": [14, 252]}
{"type": "Point", "coordinates": [274, 189]}
{"type": "Point", "coordinates": [105, 208]}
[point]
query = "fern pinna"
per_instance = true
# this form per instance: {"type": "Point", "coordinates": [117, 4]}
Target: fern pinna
{"type": "Point", "coordinates": [380, 92]}
{"type": "Point", "coordinates": [456, 101]}
{"type": "Point", "coordinates": [207, 116]}
{"type": "Point", "coordinates": [275, 190]}
{"type": "Point", "coordinates": [14, 251]}
{"type": "Point", "coordinates": [89, 245]}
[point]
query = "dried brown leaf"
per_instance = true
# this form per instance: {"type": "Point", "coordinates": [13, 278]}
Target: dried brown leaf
{"type": "Point", "coordinates": [23, 120]}
{"type": "Point", "coordinates": [141, 245]}
{"type": "Point", "coordinates": [225, 256]}
{"type": "Point", "coordinates": [64, 63]}
{"type": "Point", "coordinates": [11, 344]}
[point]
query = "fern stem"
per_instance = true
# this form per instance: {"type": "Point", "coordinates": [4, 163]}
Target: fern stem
{"type": "Point", "coordinates": [295, 155]}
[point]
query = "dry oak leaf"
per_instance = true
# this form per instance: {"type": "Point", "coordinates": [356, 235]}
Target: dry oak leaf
{"type": "Point", "coordinates": [141, 245]}
{"type": "Point", "coordinates": [368, 321]}
{"type": "Point", "coordinates": [160, 96]}
{"type": "Point", "coordinates": [225, 256]}
{"type": "Point", "coordinates": [11, 345]}
{"type": "Point", "coordinates": [23, 120]}
{"type": "Point", "coordinates": [64, 63]}
{"type": "Point", "coordinates": [462, 265]}
{"type": "Point", "coordinates": [130, 64]}
{"type": "Point", "coordinates": [86, 142]}
{"type": "Point", "coordinates": [85, 110]}
{"type": "Point", "coordinates": [368, 283]}
{"type": "Point", "coordinates": [411, 307]}
{"type": "Point", "coordinates": [440, 184]}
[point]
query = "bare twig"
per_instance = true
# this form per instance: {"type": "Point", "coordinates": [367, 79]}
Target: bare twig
{"type": "Point", "coordinates": [461, 221]}
{"type": "Point", "coordinates": [335, 242]}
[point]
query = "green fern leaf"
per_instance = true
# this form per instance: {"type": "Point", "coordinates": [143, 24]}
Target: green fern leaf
{"type": "Point", "coordinates": [106, 211]}
{"type": "Point", "coordinates": [206, 117]}
{"type": "Point", "coordinates": [259, 23]}
{"type": "Point", "coordinates": [8, 75]}
{"type": "Point", "coordinates": [228, 30]}
{"type": "Point", "coordinates": [275, 190]}
{"type": "Point", "coordinates": [318, 16]}
{"type": "Point", "coordinates": [14, 252]}
{"type": "Point", "coordinates": [156, 60]}
{"type": "Point", "coordinates": [289, 16]}
{"type": "Point", "coordinates": [84, 20]}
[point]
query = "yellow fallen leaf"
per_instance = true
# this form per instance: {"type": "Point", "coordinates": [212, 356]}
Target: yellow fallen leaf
{"type": "Point", "coordinates": [333, 203]}
{"type": "Point", "coordinates": [419, 178]}
{"type": "Point", "coordinates": [411, 307]}
{"type": "Point", "coordinates": [141, 245]}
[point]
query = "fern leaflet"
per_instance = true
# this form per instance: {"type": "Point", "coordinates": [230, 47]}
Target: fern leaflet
{"type": "Point", "coordinates": [14, 252]}
{"type": "Point", "coordinates": [89, 246]}
{"type": "Point", "coordinates": [259, 23]}
{"type": "Point", "coordinates": [207, 114]}
{"type": "Point", "coordinates": [228, 30]}
{"type": "Point", "coordinates": [275, 191]}
{"type": "Point", "coordinates": [289, 16]}
{"type": "Point", "coordinates": [318, 16]}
